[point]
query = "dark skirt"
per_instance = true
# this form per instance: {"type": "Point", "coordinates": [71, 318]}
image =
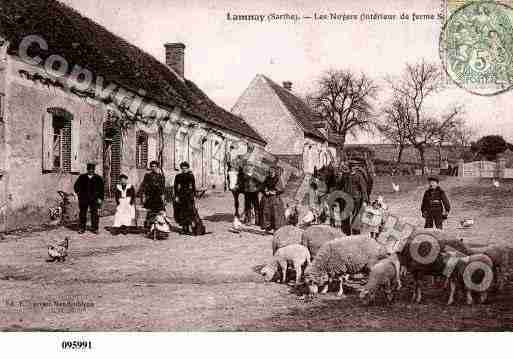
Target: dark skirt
{"type": "Point", "coordinates": [184, 211]}
{"type": "Point", "coordinates": [273, 212]}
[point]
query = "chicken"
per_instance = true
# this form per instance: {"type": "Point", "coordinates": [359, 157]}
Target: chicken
{"type": "Point", "coordinates": [467, 222]}
{"type": "Point", "coordinates": [395, 187]}
{"type": "Point", "coordinates": [496, 183]}
{"type": "Point", "coordinates": [236, 223]}
{"type": "Point", "coordinates": [59, 251]}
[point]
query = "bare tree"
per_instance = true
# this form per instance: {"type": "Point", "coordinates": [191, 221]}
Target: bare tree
{"type": "Point", "coordinates": [446, 128]}
{"type": "Point", "coordinates": [419, 82]}
{"type": "Point", "coordinates": [344, 101]}
{"type": "Point", "coordinates": [392, 124]}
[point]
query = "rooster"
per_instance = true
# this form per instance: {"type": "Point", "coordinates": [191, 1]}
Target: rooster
{"type": "Point", "coordinates": [59, 251]}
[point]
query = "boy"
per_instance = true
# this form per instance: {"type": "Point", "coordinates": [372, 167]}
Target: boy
{"type": "Point", "coordinates": [435, 204]}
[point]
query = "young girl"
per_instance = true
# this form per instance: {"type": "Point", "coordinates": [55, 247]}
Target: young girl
{"type": "Point", "coordinates": [377, 210]}
{"type": "Point", "coordinates": [125, 210]}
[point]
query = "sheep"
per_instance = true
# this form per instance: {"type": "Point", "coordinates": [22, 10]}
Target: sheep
{"type": "Point", "coordinates": [435, 266]}
{"type": "Point", "coordinates": [500, 256]}
{"type": "Point", "coordinates": [383, 275]}
{"type": "Point", "coordinates": [457, 276]}
{"type": "Point", "coordinates": [286, 235]}
{"type": "Point", "coordinates": [315, 236]}
{"type": "Point", "coordinates": [340, 257]}
{"type": "Point", "coordinates": [296, 254]}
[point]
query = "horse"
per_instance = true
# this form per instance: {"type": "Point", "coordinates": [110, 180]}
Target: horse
{"type": "Point", "coordinates": [355, 182]}
{"type": "Point", "coordinates": [236, 186]}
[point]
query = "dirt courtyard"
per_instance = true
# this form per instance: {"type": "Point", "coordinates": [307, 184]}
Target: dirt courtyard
{"type": "Point", "coordinates": [209, 283]}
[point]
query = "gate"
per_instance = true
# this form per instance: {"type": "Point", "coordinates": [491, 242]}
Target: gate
{"type": "Point", "coordinates": [485, 169]}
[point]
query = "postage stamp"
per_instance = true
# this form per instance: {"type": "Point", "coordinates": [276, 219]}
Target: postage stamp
{"type": "Point", "coordinates": [476, 46]}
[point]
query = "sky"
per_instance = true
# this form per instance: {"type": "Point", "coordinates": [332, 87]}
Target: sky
{"type": "Point", "coordinates": [222, 55]}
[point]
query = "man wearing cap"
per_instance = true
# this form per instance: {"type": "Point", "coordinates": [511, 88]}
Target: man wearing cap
{"type": "Point", "coordinates": [89, 188]}
{"type": "Point", "coordinates": [435, 204]}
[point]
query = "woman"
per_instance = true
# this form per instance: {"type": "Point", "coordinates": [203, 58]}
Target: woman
{"type": "Point", "coordinates": [185, 189]}
{"type": "Point", "coordinates": [125, 210]}
{"type": "Point", "coordinates": [273, 210]}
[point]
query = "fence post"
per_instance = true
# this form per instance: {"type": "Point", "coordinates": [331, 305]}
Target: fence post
{"type": "Point", "coordinates": [501, 166]}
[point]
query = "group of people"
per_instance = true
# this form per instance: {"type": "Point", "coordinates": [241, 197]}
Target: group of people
{"type": "Point", "coordinates": [89, 188]}
{"type": "Point", "coordinates": [263, 205]}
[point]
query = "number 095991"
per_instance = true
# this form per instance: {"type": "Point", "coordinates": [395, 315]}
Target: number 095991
{"type": "Point", "coordinates": [76, 344]}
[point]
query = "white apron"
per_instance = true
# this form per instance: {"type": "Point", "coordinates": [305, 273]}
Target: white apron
{"type": "Point", "coordinates": [125, 212]}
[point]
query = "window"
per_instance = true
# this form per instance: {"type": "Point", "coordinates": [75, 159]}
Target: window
{"type": "Point", "coordinates": [1, 107]}
{"type": "Point", "coordinates": [181, 149]}
{"type": "Point", "coordinates": [141, 150]}
{"type": "Point", "coordinates": [58, 125]}
{"type": "Point", "coordinates": [61, 141]}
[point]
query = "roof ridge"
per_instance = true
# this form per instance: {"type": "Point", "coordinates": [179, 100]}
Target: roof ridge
{"type": "Point", "coordinates": [84, 42]}
{"type": "Point", "coordinates": [299, 109]}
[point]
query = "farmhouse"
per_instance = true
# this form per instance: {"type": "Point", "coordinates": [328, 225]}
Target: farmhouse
{"type": "Point", "coordinates": [72, 92]}
{"type": "Point", "coordinates": [290, 128]}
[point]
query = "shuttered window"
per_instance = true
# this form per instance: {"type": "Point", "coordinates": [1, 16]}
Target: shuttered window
{"type": "Point", "coordinates": [141, 150]}
{"type": "Point", "coordinates": [61, 141]}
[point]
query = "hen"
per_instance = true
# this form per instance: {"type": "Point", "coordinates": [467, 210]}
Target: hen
{"type": "Point", "coordinates": [59, 251]}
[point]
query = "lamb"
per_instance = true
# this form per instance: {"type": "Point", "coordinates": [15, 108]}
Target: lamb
{"type": "Point", "coordinates": [286, 235]}
{"type": "Point", "coordinates": [296, 254]}
{"type": "Point", "coordinates": [383, 275]}
{"type": "Point", "coordinates": [457, 276]}
{"type": "Point", "coordinates": [340, 257]}
{"type": "Point", "coordinates": [315, 236]}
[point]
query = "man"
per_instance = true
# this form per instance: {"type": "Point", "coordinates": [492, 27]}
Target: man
{"type": "Point", "coordinates": [90, 191]}
{"type": "Point", "coordinates": [185, 190]}
{"type": "Point", "coordinates": [435, 204]}
{"type": "Point", "coordinates": [152, 191]}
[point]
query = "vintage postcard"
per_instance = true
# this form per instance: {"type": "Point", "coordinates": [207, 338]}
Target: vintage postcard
{"type": "Point", "coordinates": [255, 166]}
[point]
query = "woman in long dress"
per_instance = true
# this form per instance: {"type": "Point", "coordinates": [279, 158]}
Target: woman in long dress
{"type": "Point", "coordinates": [273, 210]}
{"type": "Point", "coordinates": [125, 210]}
{"type": "Point", "coordinates": [185, 189]}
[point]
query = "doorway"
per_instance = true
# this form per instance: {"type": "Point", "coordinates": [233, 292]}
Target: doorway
{"type": "Point", "coordinates": [111, 157]}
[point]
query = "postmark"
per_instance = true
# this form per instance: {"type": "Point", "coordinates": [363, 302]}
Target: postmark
{"type": "Point", "coordinates": [476, 47]}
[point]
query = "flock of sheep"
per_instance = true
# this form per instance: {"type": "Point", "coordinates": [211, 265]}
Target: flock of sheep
{"type": "Point", "coordinates": [327, 256]}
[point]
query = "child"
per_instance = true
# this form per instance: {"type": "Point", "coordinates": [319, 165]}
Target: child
{"type": "Point", "coordinates": [375, 216]}
{"type": "Point", "coordinates": [435, 204]}
{"type": "Point", "coordinates": [160, 227]}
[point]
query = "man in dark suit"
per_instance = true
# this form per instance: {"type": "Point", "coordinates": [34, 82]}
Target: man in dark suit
{"type": "Point", "coordinates": [90, 191]}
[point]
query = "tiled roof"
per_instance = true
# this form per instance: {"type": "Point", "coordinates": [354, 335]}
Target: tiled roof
{"type": "Point", "coordinates": [299, 110]}
{"type": "Point", "coordinates": [83, 42]}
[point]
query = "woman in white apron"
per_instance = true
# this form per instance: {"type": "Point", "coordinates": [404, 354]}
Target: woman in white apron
{"type": "Point", "coordinates": [125, 210]}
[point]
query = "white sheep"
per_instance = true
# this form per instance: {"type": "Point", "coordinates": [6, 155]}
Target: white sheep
{"type": "Point", "coordinates": [315, 236]}
{"type": "Point", "coordinates": [341, 257]}
{"type": "Point", "coordinates": [384, 275]}
{"type": "Point", "coordinates": [285, 236]}
{"type": "Point", "coordinates": [295, 254]}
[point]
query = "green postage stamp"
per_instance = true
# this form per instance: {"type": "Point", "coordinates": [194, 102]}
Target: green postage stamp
{"type": "Point", "coordinates": [476, 45]}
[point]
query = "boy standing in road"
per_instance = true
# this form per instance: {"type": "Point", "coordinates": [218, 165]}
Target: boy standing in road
{"type": "Point", "coordinates": [435, 204]}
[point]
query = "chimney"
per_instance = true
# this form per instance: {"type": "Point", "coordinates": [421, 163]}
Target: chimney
{"type": "Point", "coordinates": [287, 85]}
{"type": "Point", "coordinates": [175, 57]}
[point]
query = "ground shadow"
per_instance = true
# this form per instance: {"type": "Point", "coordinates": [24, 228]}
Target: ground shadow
{"type": "Point", "coordinates": [219, 217]}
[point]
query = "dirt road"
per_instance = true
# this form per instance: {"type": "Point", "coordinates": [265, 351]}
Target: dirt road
{"type": "Point", "coordinates": [120, 283]}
